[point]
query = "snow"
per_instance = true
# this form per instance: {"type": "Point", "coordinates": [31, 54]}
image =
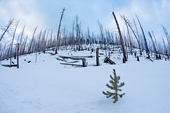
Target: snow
{"type": "Point", "coordinates": [46, 86]}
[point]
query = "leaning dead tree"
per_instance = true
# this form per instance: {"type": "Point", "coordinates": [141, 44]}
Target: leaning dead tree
{"type": "Point", "coordinates": [121, 39]}
{"type": "Point", "coordinates": [136, 36]}
{"type": "Point", "coordinates": [13, 42]}
{"type": "Point", "coordinates": [58, 34]}
{"type": "Point", "coordinates": [128, 32]}
{"type": "Point", "coordinates": [167, 37]}
{"type": "Point", "coordinates": [30, 49]}
{"type": "Point", "coordinates": [146, 46]}
{"type": "Point", "coordinates": [6, 29]}
{"type": "Point", "coordinates": [165, 48]}
{"type": "Point", "coordinates": [153, 44]}
{"type": "Point", "coordinates": [21, 39]}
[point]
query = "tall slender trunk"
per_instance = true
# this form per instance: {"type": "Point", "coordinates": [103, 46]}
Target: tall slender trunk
{"type": "Point", "coordinates": [121, 39]}
{"type": "Point", "coordinates": [10, 23]}
{"type": "Point", "coordinates": [13, 42]}
{"type": "Point", "coordinates": [153, 42]}
{"type": "Point", "coordinates": [21, 39]}
{"type": "Point", "coordinates": [146, 46]}
{"type": "Point", "coordinates": [29, 49]}
{"type": "Point", "coordinates": [58, 34]}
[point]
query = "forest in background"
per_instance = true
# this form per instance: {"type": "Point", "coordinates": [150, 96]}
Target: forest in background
{"type": "Point", "coordinates": [130, 38]}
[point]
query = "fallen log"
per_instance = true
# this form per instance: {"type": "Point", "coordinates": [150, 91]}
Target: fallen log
{"type": "Point", "coordinates": [66, 61]}
{"type": "Point", "coordinates": [60, 59]}
{"type": "Point", "coordinates": [149, 59]}
{"type": "Point", "coordinates": [9, 65]}
{"type": "Point", "coordinates": [72, 64]}
{"type": "Point", "coordinates": [51, 53]}
{"type": "Point", "coordinates": [73, 58]}
{"type": "Point", "coordinates": [76, 57]}
{"type": "Point", "coordinates": [107, 60]}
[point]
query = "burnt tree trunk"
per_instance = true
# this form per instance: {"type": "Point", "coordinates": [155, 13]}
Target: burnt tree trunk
{"type": "Point", "coordinates": [97, 57]}
{"type": "Point", "coordinates": [121, 39]}
{"type": "Point", "coordinates": [6, 30]}
{"type": "Point", "coordinates": [153, 43]}
{"type": "Point", "coordinates": [84, 62]}
{"type": "Point", "coordinates": [58, 34]}
{"type": "Point", "coordinates": [146, 46]}
{"type": "Point", "coordinates": [18, 56]}
{"type": "Point", "coordinates": [12, 43]}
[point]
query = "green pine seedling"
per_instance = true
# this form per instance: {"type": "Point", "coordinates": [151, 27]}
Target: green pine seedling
{"type": "Point", "coordinates": [114, 86]}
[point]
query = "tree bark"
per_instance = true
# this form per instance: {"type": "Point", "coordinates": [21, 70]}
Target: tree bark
{"type": "Point", "coordinates": [121, 39]}
{"type": "Point", "coordinates": [97, 57]}
{"type": "Point", "coordinates": [58, 34]}
{"type": "Point", "coordinates": [146, 46]}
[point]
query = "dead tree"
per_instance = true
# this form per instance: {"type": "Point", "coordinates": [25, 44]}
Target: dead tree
{"type": "Point", "coordinates": [24, 45]}
{"type": "Point", "coordinates": [97, 57]}
{"type": "Point", "coordinates": [33, 36]}
{"type": "Point", "coordinates": [165, 49]}
{"type": "Point", "coordinates": [120, 35]}
{"type": "Point", "coordinates": [13, 42]}
{"type": "Point", "coordinates": [58, 34]}
{"type": "Point", "coordinates": [78, 33]}
{"type": "Point", "coordinates": [126, 23]}
{"type": "Point", "coordinates": [39, 40]}
{"type": "Point", "coordinates": [21, 39]}
{"type": "Point", "coordinates": [50, 41]}
{"type": "Point", "coordinates": [136, 36]}
{"type": "Point", "coordinates": [18, 56]}
{"type": "Point", "coordinates": [167, 37]}
{"type": "Point", "coordinates": [101, 33]}
{"type": "Point", "coordinates": [153, 44]}
{"type": "Point", "coordinates": [146, 46]}
{"type": "Point", "coordinates": [6, 29]}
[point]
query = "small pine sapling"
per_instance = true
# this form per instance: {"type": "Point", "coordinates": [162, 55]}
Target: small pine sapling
{"type": "Point", "coordinates": [114, 82]}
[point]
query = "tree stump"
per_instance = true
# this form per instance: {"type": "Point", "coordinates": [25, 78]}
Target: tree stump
{"type": "Point", "coordinates": [123, 60]}
{"type": "Point", "coordinates": [84, 62]}
{"type": "Point", "coordinates": [159, 56]}
{"type": "Point", "coordinates": [97, 57]}
{"type": "Point", "coordinates": [135, 54]}
{"type": "Point", "coordinates": [138, 58]}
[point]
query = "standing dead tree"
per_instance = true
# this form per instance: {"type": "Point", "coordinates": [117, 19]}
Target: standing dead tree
{"type": "Point", "coordinates": [31, 44]}
{"type": "Point", "coordinates": [136, 36]}
{"type": "Point", "coordinates": [24, 45]}
{"type": "Point", "coordinates": [6, 29]}
{"type": "Point", "coordinates": [78, 33]}
{"type": "Point", "coordinates": [165, 49]}
{"type": "Point", "coordinates": [13, 42]}
{"type": "Point", "coordinates": [97, 57]}
{"type": "Point", "coordinates": [101, 34]}
{"type": "Point", "coordinates": [153, 45]}
{"type": "Point", "coordinates": [58, 34]}
{"type": "Point", "coordinates": [130, 40]}
{"type": "Point", "coordinates": [21, 39]}
{"type": "Point", "coordinates": [121, 39]}
{"type": "Point", "coordinates": [167, 37]}
{"type": "Point", "coordinates": [73, 42]}
{"type": "Point", "coordinates": [146, 46]}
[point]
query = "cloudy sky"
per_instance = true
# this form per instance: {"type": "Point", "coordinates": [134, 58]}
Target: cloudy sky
{"type": "Point", "coordinates": [46, 14]}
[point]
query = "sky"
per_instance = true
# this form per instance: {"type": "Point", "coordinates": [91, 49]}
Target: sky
{"type": "Point", "coordinates": [46, 14]}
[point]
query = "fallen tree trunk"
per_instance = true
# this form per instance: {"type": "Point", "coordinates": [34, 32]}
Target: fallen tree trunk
{"type": "Point", "coordinates": [15, 65]}
{"type": "Point", "coordinates": [108, 60]}
{"type": "Point", "coordinates": [76, 57]}
{"type": "Point", "coordinates": [72, 64]}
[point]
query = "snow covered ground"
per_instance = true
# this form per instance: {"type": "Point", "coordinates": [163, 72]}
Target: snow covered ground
{"type": "Point", "coordinates": [46, 86]}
